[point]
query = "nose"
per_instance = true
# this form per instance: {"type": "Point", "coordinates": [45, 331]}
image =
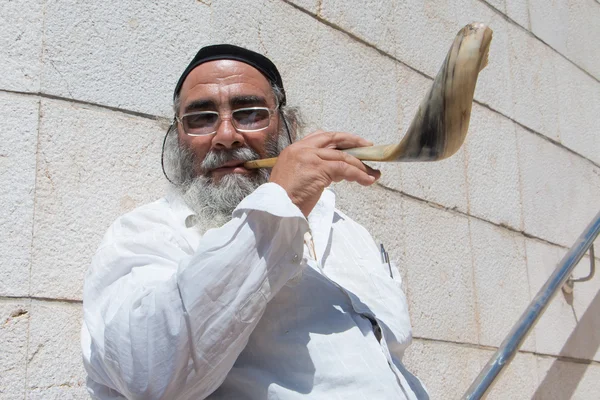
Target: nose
{"type": "Point", "coordinates": [227, 137]}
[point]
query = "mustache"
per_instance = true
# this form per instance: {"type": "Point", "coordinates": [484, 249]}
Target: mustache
{"type": "Point", "coordinates": [217, 158]}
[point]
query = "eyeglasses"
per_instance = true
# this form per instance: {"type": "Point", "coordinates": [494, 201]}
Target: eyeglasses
{"type": "Point", "coordinates": [202, 123]}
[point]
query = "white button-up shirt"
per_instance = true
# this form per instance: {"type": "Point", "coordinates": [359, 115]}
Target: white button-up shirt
{"type": "Point", "coordinates": [269, 306]}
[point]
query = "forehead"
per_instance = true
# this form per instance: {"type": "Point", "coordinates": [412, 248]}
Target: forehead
{"type": "Point", "coordinates": [218, 80]}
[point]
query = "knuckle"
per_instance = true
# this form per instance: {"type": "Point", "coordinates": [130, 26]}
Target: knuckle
{"type": "Point", "coordinates": [341, 167]}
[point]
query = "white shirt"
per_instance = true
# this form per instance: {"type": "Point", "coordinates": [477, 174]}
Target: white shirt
{"type": "Point", "coordinates": [269, 306]}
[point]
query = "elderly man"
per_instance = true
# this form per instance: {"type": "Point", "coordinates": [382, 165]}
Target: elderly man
{"type": "Point", "coordinates": [245, 284]}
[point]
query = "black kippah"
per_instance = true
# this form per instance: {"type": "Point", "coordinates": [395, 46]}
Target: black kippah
{"type": "Point", "coordinates": [231, 52]}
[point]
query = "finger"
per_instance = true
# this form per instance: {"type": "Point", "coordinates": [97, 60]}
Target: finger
{"type": "Point", "coordinates": [343, 166]}
{"type": "Point", "coordinates": [336, 140]}
{"type": "Point", "coordinates": [318, 131]}
{"type": "Point", "coordinates": [337, 155]}
{"type": "Point", "coordinates": [373, 172]}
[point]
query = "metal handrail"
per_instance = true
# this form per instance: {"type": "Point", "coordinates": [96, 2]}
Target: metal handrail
{"type": "Point", "coordinates": [518, 333]}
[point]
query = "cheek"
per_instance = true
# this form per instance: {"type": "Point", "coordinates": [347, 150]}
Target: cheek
{"type": "Point", "coordinates": [199, 145]}
{"type": "Point", "coordinates": [257, 143]}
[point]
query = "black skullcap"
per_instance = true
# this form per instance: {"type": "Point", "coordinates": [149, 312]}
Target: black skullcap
{"type": "Point", "coordinates": [231, 52]}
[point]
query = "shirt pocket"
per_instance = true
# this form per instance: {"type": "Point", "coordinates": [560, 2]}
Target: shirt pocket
{"type": "Point", "coordinates": [391, 311]}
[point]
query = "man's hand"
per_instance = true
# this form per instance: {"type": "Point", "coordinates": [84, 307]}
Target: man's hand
{"type": "Point", "coordinates": [305, 168]}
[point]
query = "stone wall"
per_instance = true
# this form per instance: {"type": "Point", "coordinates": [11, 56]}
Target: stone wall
{"type": "Point", "coordinates": [85, 90]}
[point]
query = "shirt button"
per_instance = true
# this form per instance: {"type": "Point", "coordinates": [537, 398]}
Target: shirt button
{"type": "Point", "coordinates": [296, 258]}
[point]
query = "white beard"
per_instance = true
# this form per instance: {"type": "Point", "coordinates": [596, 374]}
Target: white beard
{"type": "Point", "coordinates": [213, 202]}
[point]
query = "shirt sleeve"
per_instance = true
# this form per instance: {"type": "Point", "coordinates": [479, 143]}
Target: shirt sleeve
{"type": "Point", "coordinates": [158, 318]}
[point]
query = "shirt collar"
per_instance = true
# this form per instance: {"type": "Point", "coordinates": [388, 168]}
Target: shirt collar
{"type": "Point", "coordinates": [320, 218]}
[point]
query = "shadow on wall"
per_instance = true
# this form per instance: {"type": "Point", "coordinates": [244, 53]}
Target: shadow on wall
{"type": "Point", "coordinates": [562, 378]}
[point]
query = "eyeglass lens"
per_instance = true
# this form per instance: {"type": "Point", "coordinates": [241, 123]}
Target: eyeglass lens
{"type": "Point", "coordinates": [244, 119]}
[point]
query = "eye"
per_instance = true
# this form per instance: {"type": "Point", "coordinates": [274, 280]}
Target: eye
{"type": "Point", "coordinates": [201, 120]}
{"type": "Point", "coordinates": [251, 118]}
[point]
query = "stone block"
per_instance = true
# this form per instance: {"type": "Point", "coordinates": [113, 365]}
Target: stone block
{"type": "Point", "coordinates": [515, 10]}
{"type": "Point", "coordinates": [358, 97]}
{"type": "Point", "coordinates": [439, 277]}
{"type": "Point", "coordinates": [533, 81]}
{"type": "Point", "coordinates": [550, 23]}
{"type": "Point", "coordinates": [62, 392]}
{"type": "Point", "coordinates": [493, 169]}
{"type": "Point", "coordinates": [18, 135]}
{"type": "Point", "coordinates": [519, 12]}
{"type": "Point", "coordinates": [97, 71]}
{"type": "Point", "coordinates": [518, 381]}
{"type": "Point", "coordinates": [392, 27]}
{"type": "Point", "coordinates": [93, 165]}
{"type": "Point", "coordinates": [560, 190]}
{"type": "Point", "coordinates": [502, 291]}
{"type": "Point", "coordinates": [558, 321]}
{"type": "Point", "coordinates": [446, 369]}
{"type": "Point", "coordinates": [128, 55]}
{"type": "Point", "coordinates": [313, 6]}
{"type": "Point", "coordinates": [54, 363]}
{"type": "Point", "coordinates": [21, 24]}
{"type": "Point", "coordinates": [566, 380]}
{"type": "Point", "coordinates": [561, 24]}
{"type": "Point", "coordinates": [14, 326]}
{"type": "Point", "coordinates": [580, 107]}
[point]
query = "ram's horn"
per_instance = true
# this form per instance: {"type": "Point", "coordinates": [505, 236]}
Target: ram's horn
{"type": "Point", "coordinates": [440, 126]}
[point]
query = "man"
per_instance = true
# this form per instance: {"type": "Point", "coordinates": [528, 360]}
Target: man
{"type": "Point", "coordinates": [243, 284]}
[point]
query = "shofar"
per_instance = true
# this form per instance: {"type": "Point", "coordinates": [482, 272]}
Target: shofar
{"type": "Point", "coordinates": [440, 126]}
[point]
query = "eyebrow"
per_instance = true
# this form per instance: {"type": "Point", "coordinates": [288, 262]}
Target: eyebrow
{"type": "Point", "coordinates": [199, 105]}
{"type": "Point", "coordinates": [235, 102]}
{"type": "Point", "coordinates": [247, 101]}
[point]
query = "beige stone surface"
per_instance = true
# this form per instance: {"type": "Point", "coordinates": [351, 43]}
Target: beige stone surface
{"type": "Point", "coordinates": [493, 169]}
{"type": "Point", "coordinates": [312, 6]}
{"type": "Point", "coordinates": [14, 325]}
{"type": "Point", "coordinates": [560, 190]}
{"type": "Point", "coordinates": [127, 55]}
{"type": "Point", "coordinates": [21, 24]}
{"type": "Point", "coordinates": [566, 380]}
{"type": "Point", "coordinates": [93, 165]}
{"type": "Point", "coordinates": [420, 33]}
{"type": "Point", "coordinates": [54, 364]}
{"type": "Point", "coordinates": [533, 80]}
{"type": "Point", "coordinates": [518, 381]}
{"type": "Point", "coordinates": [439, 277]}
{"type": "Point", "coordinates": [18, 138]}
{"type": "Point", "coordinates": [571, 27]}
{"type": "Point", "coordinates": [579, 110]}
{"type": "Point", "coordinates": [515, 10]}
{"type": "Point", "coordinates": [446, 369]}
{"type": "Point", "coordinates": [501, 283]}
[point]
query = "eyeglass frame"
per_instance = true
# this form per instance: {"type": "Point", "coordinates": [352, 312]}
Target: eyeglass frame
{"type": "Point", "coordinates": [230, 118]}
